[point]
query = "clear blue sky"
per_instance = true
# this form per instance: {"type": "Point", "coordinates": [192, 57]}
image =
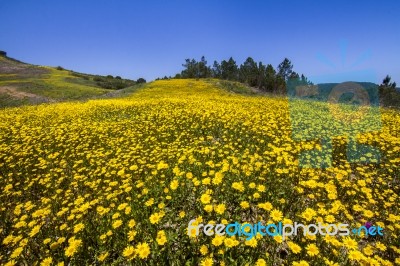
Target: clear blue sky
{"type": "Point", "coordinates": [152, 38]}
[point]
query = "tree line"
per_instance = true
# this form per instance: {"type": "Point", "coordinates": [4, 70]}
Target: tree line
{"type": "Point", "coordinates": [259, 75]}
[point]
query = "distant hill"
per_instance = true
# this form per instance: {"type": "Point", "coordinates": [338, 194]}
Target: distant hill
{"type": "Point", "coordinates": [22, 83]}
{"type": "Point", "coordinates": [324, 90]}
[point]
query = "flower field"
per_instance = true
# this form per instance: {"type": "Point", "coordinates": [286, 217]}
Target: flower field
{"type": "Point", "coordinates": [116, 182]}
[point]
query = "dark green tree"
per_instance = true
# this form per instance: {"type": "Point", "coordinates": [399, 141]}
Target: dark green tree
{"type": "Point", "coordinates": [388, 94]}
{"type": "Point", "coordinates": [248, 72]}
{"type": "Point", "coordinates": [216, 70]}
{"type": "Point", "coordinates": [203, 70]}
{"type": "Point", "coordinates": [285, 69]}
{"type": "Point", "coordinates": [270, 78]}
{"type": "Point", "coordinates": [190, 69]}
{"type": "Point", "coordinates": [140, 80]}
{"type": "Point", "coordinates": [229, 69]}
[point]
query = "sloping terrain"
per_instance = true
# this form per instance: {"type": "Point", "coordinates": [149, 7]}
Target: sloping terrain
{"type": "Point", "coordinates": [22, 83]}
{"type": "Point", "coordinates": [116, 181]}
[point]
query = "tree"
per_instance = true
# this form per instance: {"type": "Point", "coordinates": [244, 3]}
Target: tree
{"type": "Point", "coordinates": [261, 75]}
{"type": "Point", "coordinates": [387, 84]}
{"type": "Point", "coordinates": [285, 69]}
{"type": "Point", "coordinates": [229, 69]}
{"type": "Point", "coordinates": [203, 70]}
{"type": "Point", "coordinates": [389, 96]}
{"type": "Point", "coordinates": [216, 70]}
{"type": "Point", "coordinates": [270, 78]}
{"type": "Point", "coordinates": [248, 72]}
{"type": "Point", "coordinates": [140, 80]}
{"type": "Point", "coordinates": [190, 70]}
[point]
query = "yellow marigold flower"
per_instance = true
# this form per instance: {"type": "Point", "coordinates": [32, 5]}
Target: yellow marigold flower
{"type": "Point", "coordinates": [205, 198]}
{"type": "Point", "coordinates": [229, 242]}
{"type": "Point", "coordinates": [350, 243]}
{"type": "Point", "coordinates": [102, 256]}
{"type": "Point", "coordinates": [308, 214]}
{"type": "Point", "coordinates": [129, 252]}
{"type": "Point", "coordinates": [238, 186]}
{"type": "Point", "coordinates": [278, 238]}
{"type": "Point", "coordinates": [131, 235]}
{"type": "Point", "coordinates": [206, 181]}
{"type": "Point", "coordinates": [117, 224]}
{"type": "Point", "coordinates": [78, 227]}
{"type": "Point", "coordinates": [189, 175]}
{"type": "Point", "coordinates": [294, 247]}
{"type": "Point", "coordinates": [206, 262]}
{"type": "Point", "coordinates": [10, 263]}
{"type": "Point", "coordinates": [208, 208]}
{"type": "Point", "coordinates": [312, 250]}
{"type": "Point", "coordinates": [161, 238]}
{"type": "Point", "coordinates": [34, 231]}
{"type": "Point", "coordinates": [143, 250]}
{"type": "Point", "coordinates": [261, 188]}
{"type": "Point", "coordinates": [380, 246]}
{"type": "Point", "coordinates": [252, 242]}
{"type": "Point", "coordinates": [368, 250]}
{"type": "Point", "coordinates": [16, 252]}
{"type": "Point", "coordinates": [174, 184]}
{"type": "Point", "coordinates": [122, 206]}
{"type": "Point", "coordinates": [217, 240]}
{"type": "Point", "coordinates": [203, 250]}
{"type": "Point", "coordinates": [73, 247]}
{"type": "Point", "coordinates": [131, 223]}
{"type": "Point", "coordinates": [276, 215]}
{"type": "Point", "coordinates": [46, 262]}
{"type": "Point", "coordinates": [300, 263]}
{"type": "Point", "coordinates": [133, 167]}
{"type": "Point", "coordinates": [355, 255]}
{"type": "Point", "coordinates": [220, 208]}
{"type": "Point", "coordinates": [266, 206]}
{"type": "Point", "coordinates": [261, 262]}
{"type": "Point", "coordinates": [155, 218]}
{"type": "Point", "coordinates": [244, 205]}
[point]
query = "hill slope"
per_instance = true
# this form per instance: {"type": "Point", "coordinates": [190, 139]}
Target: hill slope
{"type": "Point", "coordinates": [115, 175]}
{"type": "Point", "coordinates": [22, 83]}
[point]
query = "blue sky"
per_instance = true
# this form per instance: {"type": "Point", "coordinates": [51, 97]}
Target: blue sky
{"type": "Point", "coordinates": [326, 41]}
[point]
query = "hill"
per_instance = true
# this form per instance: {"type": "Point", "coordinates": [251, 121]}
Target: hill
{"type": "Point", "coordinates": [119, 180]}
{"type": "Point", "coordinates": [22, 83]}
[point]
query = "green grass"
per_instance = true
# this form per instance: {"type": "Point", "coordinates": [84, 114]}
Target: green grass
{"type": "Point", "coordinates": [8, 101]}
{"type": "Point", "coordinates": [54, 84]}
{"type": "Point", "coordinates": [232, 86]}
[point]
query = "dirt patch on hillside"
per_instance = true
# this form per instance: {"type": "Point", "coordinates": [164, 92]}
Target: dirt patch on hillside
{"type": "Point", "coordinates": [17, 94]}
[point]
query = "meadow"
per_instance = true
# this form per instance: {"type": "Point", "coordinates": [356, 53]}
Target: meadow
{"type": "Point", "coordinates": [116, 181]}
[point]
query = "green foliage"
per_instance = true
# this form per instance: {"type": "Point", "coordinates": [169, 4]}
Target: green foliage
{"type": "Point", "coordinates": [251, 73]}
{"type": "Point", "coordinates": [194, 69]}
{"type": "Point", "coordinates": [140, 80]}
{"type": "Point", "coordinates": [232, 86]}
{"type": "Point", "coordinates": [43, 84]}
{"type": "Point", "coordinates": [388, 94]}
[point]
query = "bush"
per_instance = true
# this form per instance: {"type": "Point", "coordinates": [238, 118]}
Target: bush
{"type": "Point", "coordinates": [141, 80]}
